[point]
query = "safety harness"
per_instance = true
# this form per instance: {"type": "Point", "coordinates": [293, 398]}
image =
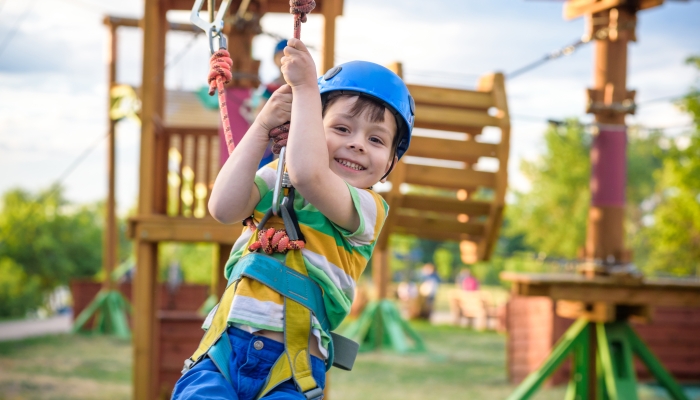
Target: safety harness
{"type": "Point", "coordinates": [303, 298]}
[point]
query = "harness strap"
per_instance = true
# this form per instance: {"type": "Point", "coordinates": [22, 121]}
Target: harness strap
{"type": "Point", "coordinates": [297, 331]}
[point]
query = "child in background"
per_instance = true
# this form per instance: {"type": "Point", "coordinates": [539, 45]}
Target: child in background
{"type": "Point", "coordinates": [348, 129]}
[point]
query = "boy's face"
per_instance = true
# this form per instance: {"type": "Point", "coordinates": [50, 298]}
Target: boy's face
{"type": "Point", "coordinates": [359, 149]}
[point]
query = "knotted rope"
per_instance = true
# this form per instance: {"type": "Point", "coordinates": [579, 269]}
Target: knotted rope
{"type": "Point", "coordinates": [220, 74]}
{"type": "Point", "coordinates": [220, 65]}
{"type": "Point", "coordinates": [299, 8]}
{"type": "Point", "coordinates": [273, 240]}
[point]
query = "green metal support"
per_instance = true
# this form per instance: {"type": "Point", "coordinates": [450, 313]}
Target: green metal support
{"type": "Point", "coordinates": [110, 310]}
{"type": "Point", "coordinates": [573, 337]}
{"type": "Point", "coordinates": [381, 326]}
{"type": "Point", "coordinates": [654, 365]}
{"type": "Point", "coordinates": [615, 374]}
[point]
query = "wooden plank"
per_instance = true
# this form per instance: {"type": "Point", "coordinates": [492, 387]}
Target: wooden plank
{"type": "Point", "coordinates": [440, 225]}
{"type": "Point", "coordinates": [196, 131]}
{"type": "Point", "coordinates": [275, 6]}
{"type": "Point", "coordinates": [448, 177]}
{"type": "Point", "coordinates": [457, 150]}
{"type": "Point", "coordinates": [454, 119]}
{"type": "Point", "coordinates": [473, 208]}
{"type": "Point", "coordinates": [429, 95]}
{"type": "Point", "coordinates": [332, 9]}
{"type": "Point", "coordinates": [182, 229]}
{"type": "Point", "coordinates": [435, 235]}
{"type": "Point", "coordinates": [577, 8]}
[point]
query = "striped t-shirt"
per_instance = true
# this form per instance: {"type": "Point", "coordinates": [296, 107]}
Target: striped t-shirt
{"type": "Point", "coordinates": [334, 259]}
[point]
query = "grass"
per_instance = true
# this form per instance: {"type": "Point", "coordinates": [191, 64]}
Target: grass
{"type": "Point", "coordinates": [461, 364]}
{"type": "Point", "coordinates": [65, 367]}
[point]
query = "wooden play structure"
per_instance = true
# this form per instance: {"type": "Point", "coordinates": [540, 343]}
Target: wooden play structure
{"type": "Point", "coordinates": [180, 144]}
{"type": "Point", "coordinates": [608, 292]}
{"type": "Point", "coordinates": [436, 193]}
{"type": "Point", "coordinates": [180, 156]}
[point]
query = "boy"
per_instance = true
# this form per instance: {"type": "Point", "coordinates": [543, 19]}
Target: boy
{"type": "Point", "coordinates": [348, 130]}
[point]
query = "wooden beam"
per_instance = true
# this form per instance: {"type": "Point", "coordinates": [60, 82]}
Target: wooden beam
{"type": "Point", "coordinates": [439, 225]}
{"type": "Point", "coordinates": [195, 131]}
{"type": "Point", "coordinates": [472, 208]}
{"type": "Point", "coordinates": [331, 10]}
{"type": "Point", "coordinates": [448, 177]}
{"type": "Point", "coordinates": [118, 22]}
{"type": "Point", "coordinates": [429, 95]}
{"type": "Point", "coordinates": [578, 8]}
{"type": "Point", "coordinates": [111, 237]}
{"type": "Point", "coordinates": [436, 235]}
{"type": "Point", "coordinates": [453, 119]}
{"type": "Point", "coordinates": [160, 228]}
{"type": "Point", "coordinates": [145, 300]}
{"type": "Point", "coordinates": [495, 83]}
{"type": "Point", "coordinates": [275, 6]}
{"type": "Point", "coordinates": [445, 149]}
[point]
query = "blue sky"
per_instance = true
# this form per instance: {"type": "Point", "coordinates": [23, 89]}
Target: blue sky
{"type": "Point", "coordinates": [53, 95]}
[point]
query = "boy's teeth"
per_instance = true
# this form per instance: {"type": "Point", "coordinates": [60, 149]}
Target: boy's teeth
{"type": "Point", "coordinates": [351, 165]}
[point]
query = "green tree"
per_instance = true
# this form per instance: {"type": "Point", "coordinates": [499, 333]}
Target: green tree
{"type": "Point", "coordinates": [551, 217]}
{"type": "Point", "coordinates": [49, 239]}
{"type": "Point", "coordinates": [673, 238]}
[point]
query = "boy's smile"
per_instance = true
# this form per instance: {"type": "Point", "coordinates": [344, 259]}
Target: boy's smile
{"type": "Point", "coordinates": [360, 149]}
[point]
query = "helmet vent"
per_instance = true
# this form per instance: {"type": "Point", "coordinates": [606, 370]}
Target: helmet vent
{"type": "Point", "coordinates": [413, 104]}
{"type": "Point", "coordinates": [331, 73]}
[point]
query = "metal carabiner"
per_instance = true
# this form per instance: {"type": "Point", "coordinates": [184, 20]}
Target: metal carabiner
{"type": "Point", "coordinates": [278, 183]}
{"type": "Point", "coordinates": [213, 28]}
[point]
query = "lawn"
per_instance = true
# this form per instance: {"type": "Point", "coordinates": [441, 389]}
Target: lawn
{"type": "Point", "coordinates": [461, 364]}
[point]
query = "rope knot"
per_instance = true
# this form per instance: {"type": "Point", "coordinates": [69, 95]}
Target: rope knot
{"type": "Point", "coordinates": [220, 65]}
{"type": "Point", "coordinates": [301, 8]}
{"type": "Point", "coordinates": [273, 240]}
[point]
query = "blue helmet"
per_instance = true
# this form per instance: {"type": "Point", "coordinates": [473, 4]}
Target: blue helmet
{"type": "Point", "coordinates": [380, 83]}
{"type": "Point", "coordinates": [280, 46]}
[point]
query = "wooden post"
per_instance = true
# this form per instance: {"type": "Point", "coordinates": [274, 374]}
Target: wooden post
{"type": "Point", "coordinates": [110, 241]}
{"type": "Point", "coordinates": [608, 101]}
{"type": "Point", "coordinates": [145, 283]}
{"type": "Point", "coordinates": [331, 9]}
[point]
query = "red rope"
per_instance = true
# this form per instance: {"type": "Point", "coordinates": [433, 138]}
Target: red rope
{"type": "Point", "coordinates": [273, 240]}
{"type": "Point", "coordinates": [220, 65]}
{"type": "Point", "coordinates": [220, 74]}
{"type": "Point", "coordinates": [299, 8]}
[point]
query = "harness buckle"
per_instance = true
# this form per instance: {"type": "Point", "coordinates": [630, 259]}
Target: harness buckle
{"type": "Point", "coordinates": [188, 365]}
{"type": "Point", "coordinates": [314, 394]}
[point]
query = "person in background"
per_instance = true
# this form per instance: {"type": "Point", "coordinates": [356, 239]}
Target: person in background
{"type": "Point", "coordinates": [429, 283]}
{"type": "Point", "coordinates": [466, 281]}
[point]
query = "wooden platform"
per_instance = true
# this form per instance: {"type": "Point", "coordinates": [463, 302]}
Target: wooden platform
{"type": "Point", "coordinates": [575, 287]}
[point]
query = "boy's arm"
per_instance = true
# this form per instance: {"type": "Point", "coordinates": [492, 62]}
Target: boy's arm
{"type": "Point", "coordinates": [307, 151]}
{"type": "Point", "coordinates": [234, 194]}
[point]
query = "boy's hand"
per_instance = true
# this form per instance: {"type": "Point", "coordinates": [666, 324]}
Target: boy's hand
{"type": "Point", "coordinates": [298, 67]}
{"type": "Point", "coordinates": [277, 110]}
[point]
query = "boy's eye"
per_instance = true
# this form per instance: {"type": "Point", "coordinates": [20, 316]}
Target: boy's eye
{"type": "Point", "coordinates": [342, 129]}
{"type": "Point", "coordinates": [376, 140]}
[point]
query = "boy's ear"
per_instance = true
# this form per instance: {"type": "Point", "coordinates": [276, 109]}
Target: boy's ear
{"type": "Point", "coordinates": [389, 166]}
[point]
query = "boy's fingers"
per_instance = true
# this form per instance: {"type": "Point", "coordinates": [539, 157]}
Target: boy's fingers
{"type": "Point", "coordinates": [297, 44]}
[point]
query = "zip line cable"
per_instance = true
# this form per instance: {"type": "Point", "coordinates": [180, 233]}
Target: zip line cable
{"type": "Point", "coordinates": [15, 28]}
{"type": "Point", "coordinates": [564, 51]}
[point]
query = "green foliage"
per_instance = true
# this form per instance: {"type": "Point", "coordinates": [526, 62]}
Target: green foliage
{"type": "Point", "coordinates": [551, 217]}
{"type": "Point", "coordinates": [53, 239]}
{"type": "Point", "coordinates": [17, 290]}
{"type": "Point", "coordinates": [46, 241]}
{"type": "Point", "coordinates": [196, 260]}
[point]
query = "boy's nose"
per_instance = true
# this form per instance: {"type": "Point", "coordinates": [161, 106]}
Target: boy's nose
{"type": "Point", "coordinates": [356, 147]}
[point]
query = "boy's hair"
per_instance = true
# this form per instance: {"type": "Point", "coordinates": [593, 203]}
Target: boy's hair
{"type": "Point", "coordinates": [364, 104]}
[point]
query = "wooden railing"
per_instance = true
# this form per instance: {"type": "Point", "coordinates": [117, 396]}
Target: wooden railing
{"type": "Point", "coordinates": [193, 162]}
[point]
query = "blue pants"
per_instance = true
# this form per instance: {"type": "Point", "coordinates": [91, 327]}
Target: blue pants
{"type": "Point", "coordinates": [252, 358]}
